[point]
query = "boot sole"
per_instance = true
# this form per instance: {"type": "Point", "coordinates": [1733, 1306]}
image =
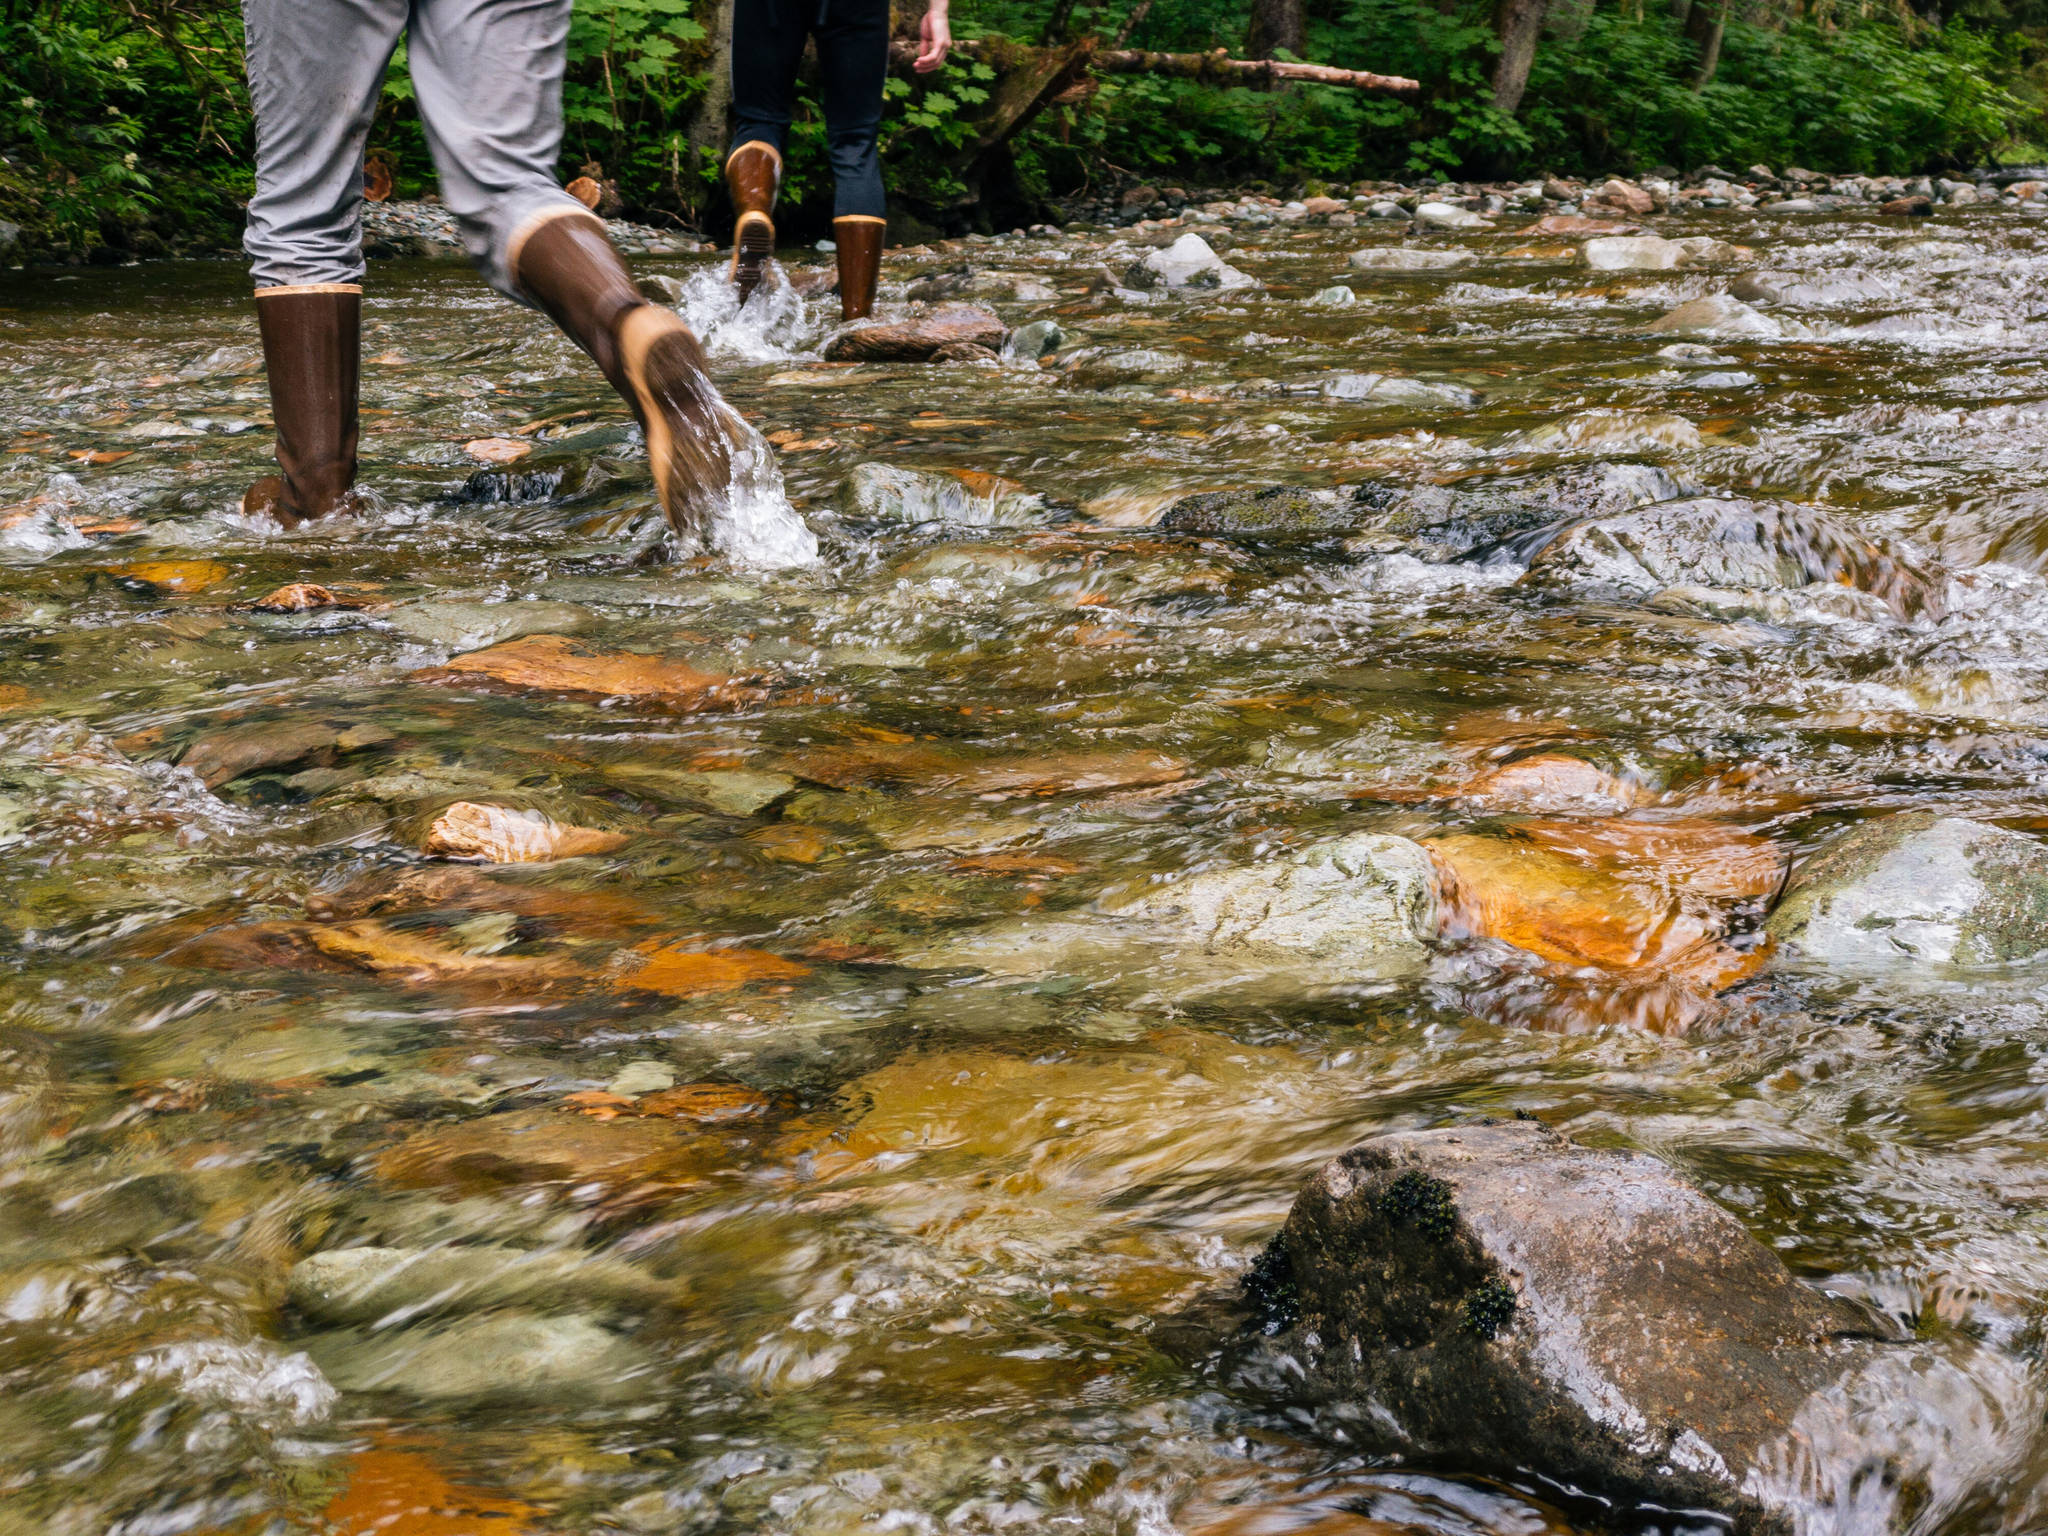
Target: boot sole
{"type": "Point", "coordinates": [686, 441]}
{"type": "Point", "coordinates": [753, 243]}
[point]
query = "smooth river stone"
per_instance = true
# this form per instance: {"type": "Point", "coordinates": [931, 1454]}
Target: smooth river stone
{"type": "Point", "coordinates": [1919, 891]}
{"type": "Point", "coordinates": [918, 340]}
{"type": "Point", "coordinates": [1713, 541]}
{"type": "Point", "coordinates": [1505, 1300]}
{"type": "Point", "coordinates": [1351, 909]}
{"type": "Point", "coordinates": [363, 1285]}
{"type": "Point", "coordinates": [503, 834]}
{"type": "Point", "coordinates": [551, 664]}
{"type": "Point", "coordinates": [516, 1357]}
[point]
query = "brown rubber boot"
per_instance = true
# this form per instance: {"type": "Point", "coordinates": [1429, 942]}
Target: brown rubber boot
{"type": "Point", "coordinates": [753, 175]}
{"type": "Point", "coordinates": [859, 238]}
{"type": "Point", "coordinates": [565, 264]}
{"type": "Point", "coordinates": [312, 350]}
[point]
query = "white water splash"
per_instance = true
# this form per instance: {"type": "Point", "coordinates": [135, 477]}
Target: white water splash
{"type": "Point", "coordinates": [754, 525]}
{"type": "Point", "coordinates": [775, 325]}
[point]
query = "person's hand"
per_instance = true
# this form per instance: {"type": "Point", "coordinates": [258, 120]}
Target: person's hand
{"type": "Point", "coordinates": [937, 38]}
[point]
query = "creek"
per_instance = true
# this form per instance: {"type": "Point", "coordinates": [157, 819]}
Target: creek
{"type": "Point", "coordinates": [794, 1155]}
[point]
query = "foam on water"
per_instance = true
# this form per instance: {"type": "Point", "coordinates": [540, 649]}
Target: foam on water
{"type": "Point", "coordinates": [754, 525]}
{"type": "Point", "coordinates": [775, 325]}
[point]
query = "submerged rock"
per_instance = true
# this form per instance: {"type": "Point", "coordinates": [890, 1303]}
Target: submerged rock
{"type": "Point", "coordinates": [1919, 890]}
{"type": "Point", "coordinates": [363, 1285]}
{"type": "Point", "coordinates": [552, 664]}
{"type": "Point", "coordinates": [1401, 258]}
{"type": "Point", "coordinates": [1393, 389]}
{"type": "Point", "coordinates": [887, 493]}
{"type": "Point", "coordinates": [917, 340]}
{"type": "Point", "coordinates": [461, 626]}
{"type": "Point", "coordinates": [221, 756]}
{"type": "Point", "coordinates": [505, 1357]}
{"type": "Point", "coordinates": [1276, 512]}
{"type": "Point", "coordinates": [1717, 315]}
{"type": "Point", "coordinates": [1584, 895]}
{"type": "Point", "coordinates": [502, 834]}
{"type": "Point", "coordinates": [1499, 1297]}
{"type": "Point", "coordinates": [1733, 542]}
{"type": "Point", "coordinates": [1351, 909]}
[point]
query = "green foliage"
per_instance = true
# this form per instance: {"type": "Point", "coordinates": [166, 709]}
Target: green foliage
{"type": "Point", "coordinates": [1610, 90]}
{"type": "Point", "coordinates": [124, 124]}
{"type": "Point", "coordinates": [91, 94]}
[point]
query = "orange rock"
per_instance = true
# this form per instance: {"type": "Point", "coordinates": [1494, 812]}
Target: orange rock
{"type": "Point", "coordinates": [549, 1146]}
{"type": "Point", "coordinates": [466, 888]}
{"type": "Point", "coordinates": [304, 597]}
{"type": "Point", "coordinates": [1706, 858]}
{"type": "Point", "coordinates": [1552, 781]}
{"type": "Point", "coordinates": [498, 450]}
{"type": "Point", "coordinates": [673, 971]}
{"type": "Point", "coordinates": [99, 455]}
{"type": "Point", "coordinates": [552, 664]}
{"type": "Point", "coordinates": [406, 1493]}
{"type": "Point", "coordinates": [500, 834]}
{"type": "Point", "coordinates": [14, 696]}
{"type": "Point", "coordinates": [177, 576]}
{"type": "Point", "coordinates": [415, 958]}
{"type": "Point", "coordinates": [789, 842]}
{"type": "Point", "coordinates": [704, 1103]}
{"type": "Point", "coordinates": [1580, 914]}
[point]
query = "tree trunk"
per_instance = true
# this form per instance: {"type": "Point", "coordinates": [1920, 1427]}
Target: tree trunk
{"type": "Point", "coordinates": [1518, 23]}
{"type": "Point", "coordinates": [1276, 25]}
{"type": "Point", "coordinates": [1704, 24]}
{"type": "Point", "coordinates": [707, 126]}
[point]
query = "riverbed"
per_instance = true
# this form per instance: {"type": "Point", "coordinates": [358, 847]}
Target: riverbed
{"type": "Point", "coordinates": [785, 1197]}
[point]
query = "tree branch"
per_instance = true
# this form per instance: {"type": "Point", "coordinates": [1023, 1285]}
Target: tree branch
{"type": "Point", "coordinates": [1218, 67]}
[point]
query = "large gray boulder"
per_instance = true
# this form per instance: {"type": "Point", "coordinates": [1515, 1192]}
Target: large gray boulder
{"type": "Point", "coordinates": [1498, 1299]}
{"type": "Point", "coordinates": [1919, 890]}
{"type": "Point", "coordinates": [1711, 541]}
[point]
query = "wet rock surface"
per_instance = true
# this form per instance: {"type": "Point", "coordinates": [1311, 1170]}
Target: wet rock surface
{"type": "Point", "coordinates": [1495, 1293]}
{"type": "Point", "coordinates": [919, 340]}
{"type": "Point", "coordinates": [1735, 543]}
{"type": "Point", "coordinates": [1920, 891]}
{"type": "Point", "coordinates": [1019, 897]}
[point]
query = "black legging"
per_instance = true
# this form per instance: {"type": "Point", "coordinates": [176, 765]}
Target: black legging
{"type": "Point", "coordinates": [853, 55]}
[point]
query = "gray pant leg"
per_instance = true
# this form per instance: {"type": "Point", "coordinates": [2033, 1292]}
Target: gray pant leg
{"type": "Point", "coordinates": [487, 75]}
{"type": "Point", "coordinates": [315, 70]}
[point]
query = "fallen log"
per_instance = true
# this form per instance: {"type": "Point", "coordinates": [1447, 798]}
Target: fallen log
{"type": "Point", "coordinates": [1216, 67]}
{"type": "Point", "coordinates": [1219, 67]}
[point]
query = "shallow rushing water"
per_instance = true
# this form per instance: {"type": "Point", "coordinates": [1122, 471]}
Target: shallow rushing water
{"type": "Point", "coordinates": [895, 1268]}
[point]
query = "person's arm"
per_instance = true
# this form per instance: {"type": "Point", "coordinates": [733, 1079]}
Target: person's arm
{"type": "Point", "coordinates": [937, 37]}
